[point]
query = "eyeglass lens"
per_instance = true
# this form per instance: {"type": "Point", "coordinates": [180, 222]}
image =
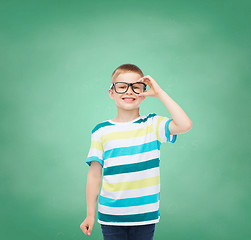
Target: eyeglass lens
{"type": "Point", "coordinates": [122, 87]}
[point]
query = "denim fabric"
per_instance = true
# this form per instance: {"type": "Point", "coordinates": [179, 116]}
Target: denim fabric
{"type": "Point", "coordinates": [141, 232]}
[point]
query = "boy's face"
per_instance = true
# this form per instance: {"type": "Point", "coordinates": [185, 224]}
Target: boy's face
{"type": "Point", "coordinates": [119, 99]}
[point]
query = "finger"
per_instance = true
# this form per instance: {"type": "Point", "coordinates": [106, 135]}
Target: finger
{"type": "Point", "coordinates": [141, 79]}
{"type": "Point", "coordinates": [85, 229]}
{"type": "Point", "coordinates": [150, 79]}
{"type": "Point", "coordinates": [145, 78]}
{"type": "Point", "coordinates": [82, 226]}
{"type": "Point", "coordinates": [90, 231]}
{"type": "Point", "coordinates": [146, 81]}
{"type": "Point", "coordinates": [148, 76]}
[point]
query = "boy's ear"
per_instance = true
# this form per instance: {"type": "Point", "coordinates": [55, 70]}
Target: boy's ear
{"type": "Point", "coordinates": [110, 92]}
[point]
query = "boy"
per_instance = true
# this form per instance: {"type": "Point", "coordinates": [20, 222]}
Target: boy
{"type": "Point", "coordinates": [128, 149]}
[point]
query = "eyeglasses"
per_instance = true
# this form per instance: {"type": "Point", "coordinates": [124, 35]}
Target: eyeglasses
{"type": "Point", "coordinates": [122, 87]}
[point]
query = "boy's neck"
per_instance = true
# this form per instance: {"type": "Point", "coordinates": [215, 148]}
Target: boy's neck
{"type": "Point", "coordinates": [126, 116]}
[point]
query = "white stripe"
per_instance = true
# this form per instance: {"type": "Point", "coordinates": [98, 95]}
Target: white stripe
{"type": "Point", "coordinates": [129, 210]}
{"type": "Point", "coordinates": [132, 176]}
{"type": "Point", "coordinates": [162, 130]}
{"type": "Point", "coordinates": [129, 223]}
{"type": "Point", "coordinates": [127, 127]}
{"type": "Point", "coordinates": [140, 192]}
{"type": "Point", "coordinates": [95, 152]}
{"type": "Point", "coordinates": [171, 138]}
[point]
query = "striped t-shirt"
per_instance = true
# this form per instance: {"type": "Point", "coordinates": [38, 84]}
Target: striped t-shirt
{"type": "Point", "coordinates": [129, 153]}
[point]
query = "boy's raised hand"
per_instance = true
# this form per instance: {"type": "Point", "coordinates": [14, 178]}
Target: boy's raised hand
{"type": "Point", "coordinates": [87, 225]}
{"type": "Point", "coordinates": [154, 90]}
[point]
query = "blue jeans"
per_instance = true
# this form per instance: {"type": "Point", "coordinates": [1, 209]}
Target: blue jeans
{"type": "Point", "coordinates": [141, 232]}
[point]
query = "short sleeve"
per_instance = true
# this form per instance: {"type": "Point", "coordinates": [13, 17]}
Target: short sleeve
{"type": "Point", "coordinates": [161, 128]}
{"type": "Point", "coordinates": [96, 150]}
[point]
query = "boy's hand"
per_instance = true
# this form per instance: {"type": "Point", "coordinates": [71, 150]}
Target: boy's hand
{"type": "Point", "coordinates": [154, 90]}
{"type": "Point", "coordinates": [87, 225]}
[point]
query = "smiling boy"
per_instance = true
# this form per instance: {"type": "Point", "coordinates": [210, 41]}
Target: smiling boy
{"type": "Point", "coordinates": [127, 149]}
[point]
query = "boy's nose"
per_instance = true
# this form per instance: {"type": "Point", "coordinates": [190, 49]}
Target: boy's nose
{"type": "Point", "coordinates": [129, 90]}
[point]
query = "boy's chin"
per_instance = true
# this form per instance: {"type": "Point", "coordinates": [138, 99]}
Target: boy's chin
{"type": "Point", "coordinates": [129, 107]}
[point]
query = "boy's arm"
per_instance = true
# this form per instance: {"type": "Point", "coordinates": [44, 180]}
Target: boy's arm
{"type": "Point", "coordinates": [181, 123]}
{"type": "Point", "coordinates": [93, 186]}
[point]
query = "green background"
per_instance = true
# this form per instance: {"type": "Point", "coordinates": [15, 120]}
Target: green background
{"type": "Point", "coordinates": [57, 58]}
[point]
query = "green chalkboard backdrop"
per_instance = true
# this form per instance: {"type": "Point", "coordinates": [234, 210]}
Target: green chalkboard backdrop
{"type": "Point", "coordinates": [56, 61]}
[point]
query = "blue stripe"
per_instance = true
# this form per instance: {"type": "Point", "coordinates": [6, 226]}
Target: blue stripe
{"type": "Point", "coordinates": [133, 167]}
{"type": "Point", "coordinates": [129, 218]}
{"type": "Point", "coordinates": [94, 158]}
{"type": "Point", "coordinates": [129, 202]}
{"type": "Point", "coordinates": [123, 151]}
{"type": "Point", "coordinates": [167, 133]}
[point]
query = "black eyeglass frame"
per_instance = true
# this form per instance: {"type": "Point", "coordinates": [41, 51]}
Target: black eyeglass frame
{"type": "Point", "coordinates": [128, 85]}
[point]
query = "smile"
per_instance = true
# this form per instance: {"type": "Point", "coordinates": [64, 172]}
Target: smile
{"type": "Point", "coordinates": [127, 99]}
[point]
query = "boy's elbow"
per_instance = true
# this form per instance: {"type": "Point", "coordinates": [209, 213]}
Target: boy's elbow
{"type": "Point", "coordinates": [189, 126]}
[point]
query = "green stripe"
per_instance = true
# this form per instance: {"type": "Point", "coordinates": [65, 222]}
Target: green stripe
{"type": "Point", "coordinates": [100, 125]}
{"type": "Point", "coordinates": [145, 119]}
{"type": "Point", "coordinates": [129, 218]}
{"type": "Point", "coordinates": [107, 123]}
{"type": "Point", "coordinates": [133, 167]}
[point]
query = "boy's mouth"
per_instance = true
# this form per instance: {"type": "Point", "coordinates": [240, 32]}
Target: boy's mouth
{"type": "Point", "coordinates": [129, 99]}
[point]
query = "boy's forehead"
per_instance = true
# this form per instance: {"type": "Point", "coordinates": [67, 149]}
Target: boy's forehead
{"type": "Point", "coordinates": [128, 77]}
